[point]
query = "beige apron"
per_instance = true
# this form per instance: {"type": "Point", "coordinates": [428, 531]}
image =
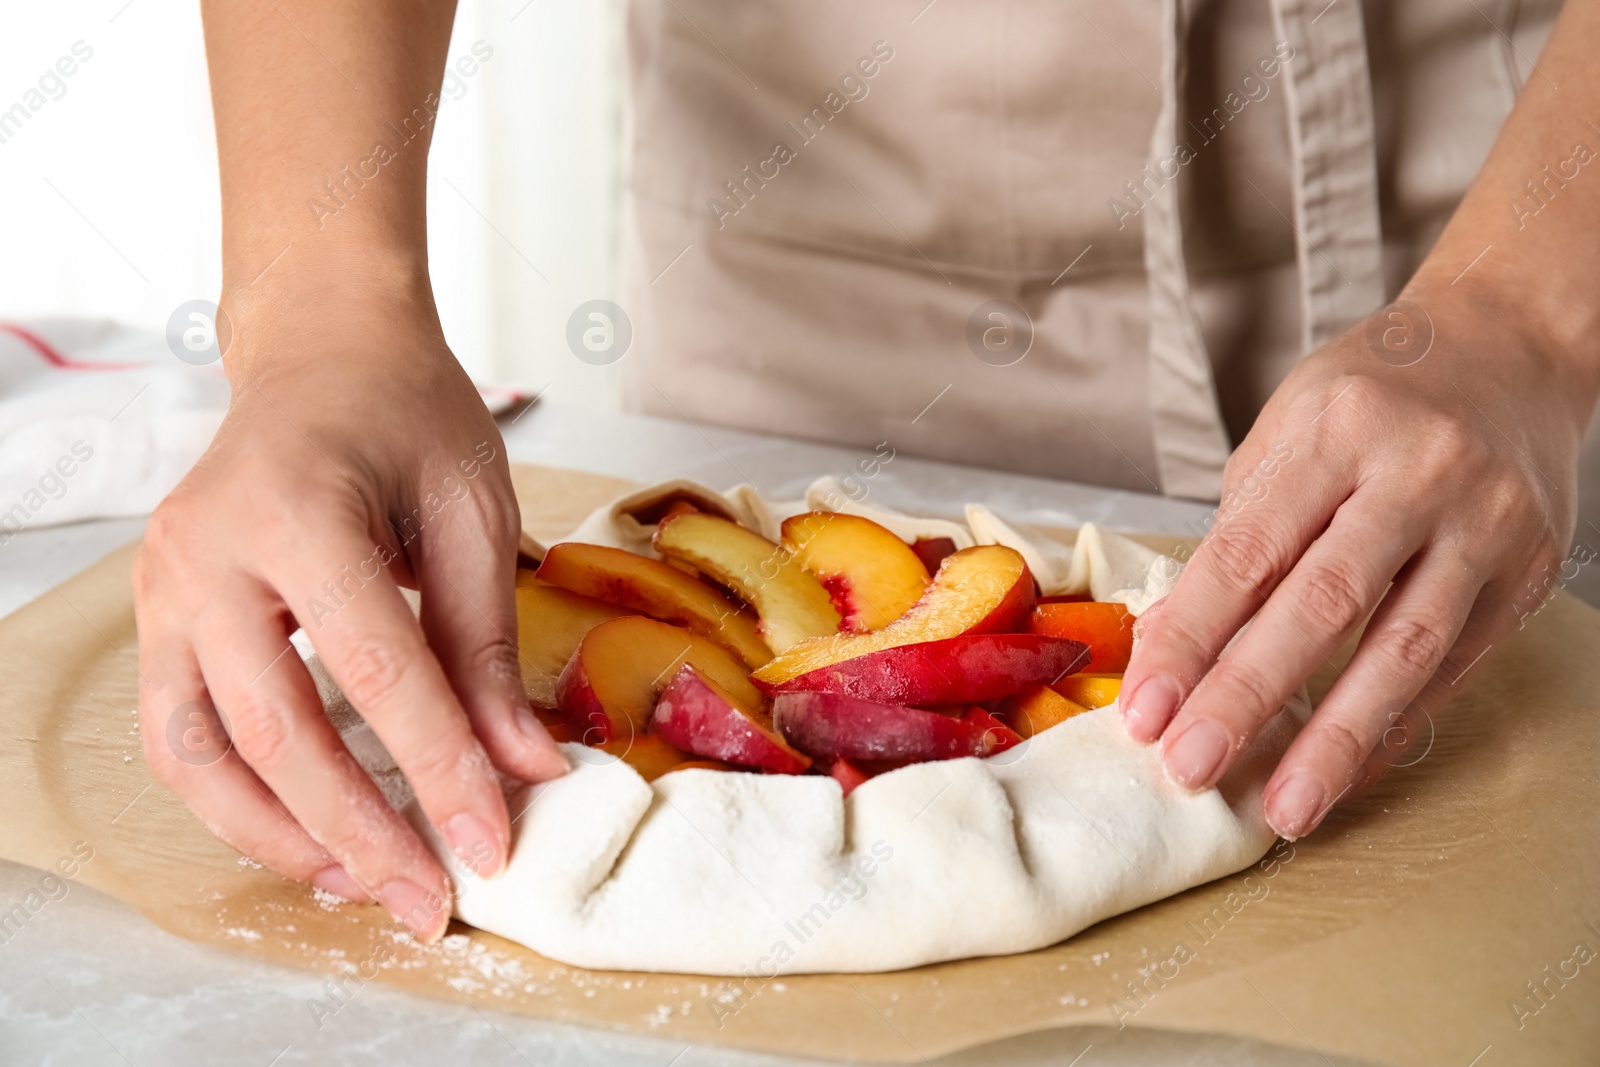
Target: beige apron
{"type": "Point", "coordinates": [823, 195]}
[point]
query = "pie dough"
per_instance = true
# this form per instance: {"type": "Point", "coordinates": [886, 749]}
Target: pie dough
{"type": "Point", "coordinates": [732, 873]}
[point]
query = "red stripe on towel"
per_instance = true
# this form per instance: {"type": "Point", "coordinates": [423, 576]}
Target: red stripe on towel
{"type": "Point", "coordinates": [54, 358]}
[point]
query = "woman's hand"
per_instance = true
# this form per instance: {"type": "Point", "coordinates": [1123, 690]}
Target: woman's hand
{"type": "Point", "coordinates": [356, 458]}
{"type": "Point", "coordinates": [1432, 449]}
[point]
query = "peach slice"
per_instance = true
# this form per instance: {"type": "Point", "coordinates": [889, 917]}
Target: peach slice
{"type": "Point", "coordinates": [1105, 627]}
{"type": "Point", "coordinates": [1090, 690]}
{"type": "Point", "coordinates": [652, 588]}
{"type": "Point", "coordinates": [650, 756]}
{"type": "Point", "coordinates": [1036, 710]}
{"type": "Point", "coordinates": [969, 669]}
{"type": "Point", "coordinates": [550, 623]}
{"type": "Point", "coordinates": [850, 773]}
{"type": "Point", "coordinates": [932, 551]}
{"type": "Point", "coordinates": [683, 507]}
{"type": "Point", "coordinates": [995, 737]}
{"type": "Point", "coordinates": [608, 689]}
{"type": "Point", "coordinates": [981, 590]}
{"type": "Point", "coordinates": [791, 603]}
{"type": "Point", "coordinates": [872, 575]}
{"type": "Point", "coordinates": [553, 721]}
{"type": "Point", "coordinates": [699, 716]}
{"type": "Point", "coordinates": [678, 507]}
{"type": "Point", "coordinates": [704, 765]}
{"type": "Point", "coordinates": [836, 726]}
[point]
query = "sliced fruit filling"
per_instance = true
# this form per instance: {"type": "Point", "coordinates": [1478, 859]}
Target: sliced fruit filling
{"type": "Point", "coordinates": [831, 652]}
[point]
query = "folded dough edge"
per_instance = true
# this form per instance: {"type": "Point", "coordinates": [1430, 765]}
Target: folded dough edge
{"type": "Point", "coordinates": [739, 874]}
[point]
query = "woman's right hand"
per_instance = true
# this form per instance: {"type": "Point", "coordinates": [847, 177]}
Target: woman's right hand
{"type": "Point", "coordinates": [356, 457]}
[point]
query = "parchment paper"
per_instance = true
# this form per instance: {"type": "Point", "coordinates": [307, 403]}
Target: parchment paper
{"type": "Point", "coordinates": [1403, 932]}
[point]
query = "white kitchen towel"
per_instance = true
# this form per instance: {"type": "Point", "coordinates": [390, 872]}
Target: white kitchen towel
{"type": "Point", "coordinates": [100, 420]}
{"type": "Point", "coordinates": [96, 420]}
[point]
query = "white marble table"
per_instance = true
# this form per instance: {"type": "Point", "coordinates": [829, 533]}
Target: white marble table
{"type": "Point", "coordinates": [89, 981]}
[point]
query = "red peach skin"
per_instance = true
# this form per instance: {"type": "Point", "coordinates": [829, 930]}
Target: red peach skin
{"type": "Point", "coordinates": [608, 690]}
{"type": "Point", "coordinates": [836, 726]}
{"type": "Point", "coordinates": [969, 669]}
{"type": "Point", "coordinates": [933, 550]}
{"type": "Point", "coordinates": [697, 715]}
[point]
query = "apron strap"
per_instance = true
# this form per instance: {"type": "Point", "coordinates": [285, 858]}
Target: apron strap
{"type": "Point", "coordinates": [1338, 238]}
{"type": "Point", "coordinates": [1191, 443]}
{"type": "Point", "coordinates": [1339, 241]}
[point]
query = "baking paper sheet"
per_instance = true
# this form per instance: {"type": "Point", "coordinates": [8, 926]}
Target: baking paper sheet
{"type": "Point", "coordinates": [1435, 920]}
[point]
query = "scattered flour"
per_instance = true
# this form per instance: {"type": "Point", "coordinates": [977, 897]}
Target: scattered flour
{"type": "Point", "coordinates": [325, 900]}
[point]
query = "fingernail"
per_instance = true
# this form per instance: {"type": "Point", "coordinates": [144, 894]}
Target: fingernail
{"type": "Point", "coordinates": [333, 879]}
{"type": "Point", "coordinates": [1152, 705]}
{"type": "Point", "coordinates": [550, 761]}
{"type": "Point", "coordinates": [474, 844]}
{"type": "Point", "coordinates": [1296, 806]}
{"type": "Point", "coordinates": [425, 913]}
{"type": "Point", "coordinates": [1193, 758]}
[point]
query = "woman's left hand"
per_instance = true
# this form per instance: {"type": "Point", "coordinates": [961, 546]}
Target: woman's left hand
{"type": "Point", "coordinates": [1423, 465]}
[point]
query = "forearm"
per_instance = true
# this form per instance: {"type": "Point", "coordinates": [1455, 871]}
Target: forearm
{"type": "Point", "coordinates": [324, 113]}
{"type": "Point", "coordinates": [1524, 245]}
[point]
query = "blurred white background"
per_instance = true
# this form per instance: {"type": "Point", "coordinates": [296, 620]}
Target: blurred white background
{"type": "Point", "coordinates": [111, 186]}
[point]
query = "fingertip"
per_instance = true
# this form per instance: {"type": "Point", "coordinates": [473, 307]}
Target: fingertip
{"type": "Point", "coordinates": [1149, 708]}
{"type": "Point", "coordinates": [336, 880]}
{"type": "Point", "coordinates": [542, 757]}
{"type": "Point", "coordinates": [1296, 805]}
{"type": "Point", "coordinates": [479, 847]}
{"type": "Point", "coordinates": [424, 912]}
{"type": "Point", "coordinates": [1196, 757]}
